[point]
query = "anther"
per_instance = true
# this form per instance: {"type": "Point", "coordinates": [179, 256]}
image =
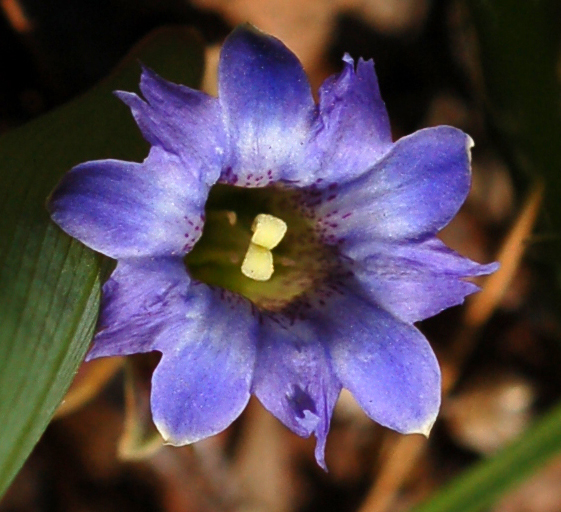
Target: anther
{"type": "Point", "coordinates": [268, 231]}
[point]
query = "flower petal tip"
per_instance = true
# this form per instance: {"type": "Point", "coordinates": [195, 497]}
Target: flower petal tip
{"type": "Point", "coordinates": [490, 268]}
{"type": "Point", "coordinates": [426, 429]}
{"type": "Point", "coordinates": [90, 356]}
{"type": "Point", "coordinates": [148, 76]}
{"type": "Point", "coordinates": [321, 439]}
{"type": "Point", "coordinates": [320, 459]}
{"type": "Point", "coordinates": [250, 32]}
{"type": "Point", "coordinates": [348, 59]}
{"type": "Point", "coordinates": [169, 439]}
{"type": "Point", "coordinates": [470, 143]}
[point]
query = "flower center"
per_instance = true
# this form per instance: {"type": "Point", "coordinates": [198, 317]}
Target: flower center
{"type": "Point", "coordinates": [260, 243]}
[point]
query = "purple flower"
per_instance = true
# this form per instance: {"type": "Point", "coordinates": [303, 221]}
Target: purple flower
{"type": "Point", "coordinates": [275, 246]}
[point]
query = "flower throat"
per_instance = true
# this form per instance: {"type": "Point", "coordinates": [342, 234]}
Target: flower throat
{"type": "Point", "coordinates": [257, 242]}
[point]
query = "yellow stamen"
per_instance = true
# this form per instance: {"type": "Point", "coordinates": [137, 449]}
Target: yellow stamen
{"type": "Point", "coordinates": [258, 263]}
{"type": "Point", "coordinates": [268, 231]}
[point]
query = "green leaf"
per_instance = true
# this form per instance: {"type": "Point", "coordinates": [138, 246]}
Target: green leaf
{"type": "Point", "coordinates": [479, 487]}
{"type": "Point", "coordinates": [49, 284]}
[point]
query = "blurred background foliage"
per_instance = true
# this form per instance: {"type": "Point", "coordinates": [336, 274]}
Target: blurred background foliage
{"type": "Point", "coordinates": [492, 68]}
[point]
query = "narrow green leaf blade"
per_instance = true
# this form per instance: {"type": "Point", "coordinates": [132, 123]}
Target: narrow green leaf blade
{"type": "Point", "coordinates": [479, 487]}
{"type": "Point", "coordinates": [49, 284]}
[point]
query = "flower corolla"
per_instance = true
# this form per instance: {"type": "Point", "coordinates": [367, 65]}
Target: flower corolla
{"type": "Point", "coordinates": [275, 246]}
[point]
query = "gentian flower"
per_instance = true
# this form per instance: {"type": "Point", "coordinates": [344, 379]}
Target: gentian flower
{"type": "Point", "coordinates": [273, 246]}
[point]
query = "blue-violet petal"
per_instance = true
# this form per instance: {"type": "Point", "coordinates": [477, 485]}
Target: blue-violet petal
{"type": "Point", "coordinates": [295, 382]}
{"type": "Point", "coordinates": [412, 193]}
{"type": "Point", "coordinates": [267, 105]}
{"type": "Point", "coordinates": [183, 121]}
{"type": "Point", "coordinates": [416, 280]}
{"type": "Point", "coordinates": [203, 380]}
{"type": "Point", "coordinates": [130, 210]}
{"type": "Point", "coordinates": [387, 365]}
{"type": "Point", "coordinates": [352, 129]}
{"type": "Point", "coordinates": [140, 299]}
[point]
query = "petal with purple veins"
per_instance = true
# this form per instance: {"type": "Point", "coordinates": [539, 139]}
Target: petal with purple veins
{"type": "Point", "coordinates": [412, 193]}
{"type": "Point", "coordinates": [267, 106]}
{"type": "Point", "coordinates": [295, 382]}
{"type": "Point", "coordinates": [129, 210]}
